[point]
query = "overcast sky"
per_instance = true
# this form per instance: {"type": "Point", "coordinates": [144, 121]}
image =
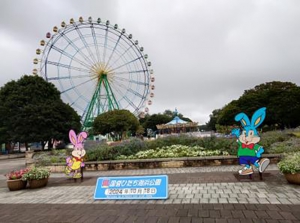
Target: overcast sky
{"type": "Point", "coordinates": [204, 53]}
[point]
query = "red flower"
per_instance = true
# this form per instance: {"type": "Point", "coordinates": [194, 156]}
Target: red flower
{"type": "Point", "coordinates": [16, 174]}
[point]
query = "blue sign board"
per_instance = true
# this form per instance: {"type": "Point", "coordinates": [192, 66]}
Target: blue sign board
{"type": "Point", "coordinates": [133, 187]}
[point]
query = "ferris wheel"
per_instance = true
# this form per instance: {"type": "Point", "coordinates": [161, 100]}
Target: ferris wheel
{"type": "Point", "coordinates": [97, 67]}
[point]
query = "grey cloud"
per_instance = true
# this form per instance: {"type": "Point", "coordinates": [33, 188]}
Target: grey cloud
{"type": "Point", "coordinates": [204, 53]}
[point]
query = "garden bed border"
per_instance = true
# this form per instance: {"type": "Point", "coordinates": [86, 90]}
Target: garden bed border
{"type": "Point", "coordinates": [161, 163]}
{"type": "Point", "coordinates": [12, 156]}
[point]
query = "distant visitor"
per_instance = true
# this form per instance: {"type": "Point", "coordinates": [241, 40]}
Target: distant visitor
{"type": "Point", "coordinates": [249, 152]}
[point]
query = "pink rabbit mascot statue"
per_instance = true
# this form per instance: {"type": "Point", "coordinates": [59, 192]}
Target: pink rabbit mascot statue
{"type": "Point", "coordinates": [75, 162]}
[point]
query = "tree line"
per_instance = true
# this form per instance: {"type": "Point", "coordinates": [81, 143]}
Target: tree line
{"type": "Point", "coordinates": [282, 100]}
{"type": "Point", "coordinates": [31, 110]}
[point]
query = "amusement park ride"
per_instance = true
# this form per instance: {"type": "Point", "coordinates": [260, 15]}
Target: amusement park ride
{"type": "Point", "coordinates": [97, 67]}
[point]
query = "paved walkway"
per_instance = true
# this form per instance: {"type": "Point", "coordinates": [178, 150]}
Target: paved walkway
{"type": "Point", "coordinates": [7, 165]}
{"type": "Point", "coordinates": [200, 194]}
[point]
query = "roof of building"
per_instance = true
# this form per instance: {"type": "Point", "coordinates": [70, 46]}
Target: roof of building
{"type": "Point", "coordinates": [176, 120]}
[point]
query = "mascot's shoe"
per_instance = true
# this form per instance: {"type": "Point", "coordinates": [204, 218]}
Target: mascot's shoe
{"type": "Point", "coordinates": [77, 175]}
{"type": "Point", "coordinates": [246, 171]}
{"type": "Point", "coordinates": [67, 171]}
{"type": "Point", "coordinates": [263, 164]}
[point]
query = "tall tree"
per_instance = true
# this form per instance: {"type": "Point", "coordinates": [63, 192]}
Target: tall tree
{"type": "Point", "coordinates": [168, 112]}
{"type": "Point", "coordinates": [150, 121]}
{"type": "Point", "coordinates": [211, 125]}
{"type": "Point", "coordinates": [116, 123]}
{"type": "Point", "coordinates": [156, 119]}
{"type": "Point", "coordinates": [31, 111]}
{"type": "Point", "coordinates": [227, 114]}
{"type": "Point", "coordinates": [172, 114]}
{"type": "Point", "coordinates": [282, 100]}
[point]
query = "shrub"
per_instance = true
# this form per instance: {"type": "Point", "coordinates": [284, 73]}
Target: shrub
{"type": "Point", "coordinates": [171, 140]}
{"type": "Point", "coordinates": [224, 144]}
{"type": "Point", "coordinates": [290, 163]}
{"type": "Point", "coordinates": [47, 158]}
{"type": "Point", "coordinates": [54, 159]}
{"type": "Point", "coordinates": [102, 152]}
{"type": "Point", "coordinates": [228, 145]}
{"type": "Point", "coordinates": [296, 133]}
{"type": "Point", "coordinates": [130, 147]}
{"type": "Point", "coordinates": [36, 173]}
{"type": "Point", "coordinates": [268, 138]}
{"type": "Point", "coordinates": [288, 146]}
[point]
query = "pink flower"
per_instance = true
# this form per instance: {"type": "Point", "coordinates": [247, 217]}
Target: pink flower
{"type": "Point", "coordinates": [16, 174]}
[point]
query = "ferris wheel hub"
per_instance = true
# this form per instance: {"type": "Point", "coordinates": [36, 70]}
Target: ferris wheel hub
{"type": "Point", "coordinates": [100, 69]}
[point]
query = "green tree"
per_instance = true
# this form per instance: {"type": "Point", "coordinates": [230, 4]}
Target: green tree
{"type": "Point", "coordinates": [211, 125]}
{"type": "Point", "coordinates": [150, 121]}
{"type": "Point", "coordinates": [172, 114]}
{"type": "Point", "coordinates": [140, 131]}
{"type": "Point", "coordinates": [184, 118]}
{"type": "Point", "coordinates": [227, 114]}
{"type": "Point", "coordinates": [169, 113]}
{"type": "Point", "coordinates": [31, 111]}
{"type": "Point", "coordinates": [282, 100]}
{"type": "Point", "coordinates": [144, 120]}
{"type": "Point", "coordinates": [156, 119]}
{"type": "Point", "coordinates": [116, 123]}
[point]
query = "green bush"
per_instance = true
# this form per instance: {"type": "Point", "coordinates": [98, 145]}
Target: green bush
{"type": "Point", "coordinates": [296, 133]}
{"type": "Point", "coordinates": [228, 145]}
{"type": "Point", "coordinates": [288, 146]}
{"type": "Point", "coordinates": [47, 158]}
{"type": "Point", "coordinates": [130, 147]}
{"type": "Point", "coordinates": [211, 143]}
{"type": "Point", "coordinates": [36, 173]}
{"type": "Point", "coordinates": [170, 140]}
{"type": "Point", "coordinates": [54, 159]}
{"type": "Point", "coordinates": [269, 138]}
{"type": "Point", "coordinates": [290, 163]}
{"type": "Point", "coordinates": [101, 152]}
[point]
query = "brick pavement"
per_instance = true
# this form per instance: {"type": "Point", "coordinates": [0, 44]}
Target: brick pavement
{"type": "Point", "coordinates": [202, 194]}
{"type": "Point", "coordinates": [158, 213]}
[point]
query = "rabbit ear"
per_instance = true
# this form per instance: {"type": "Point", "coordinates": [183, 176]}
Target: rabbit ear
{"type": "Point", "coordinates": [258, 117]}
{"type": "Point", "coordinates": [73, 137]}
{"type": "Point", "coordinates": [81, 137]}
{"type": "Point", "coordinates": [243, 118]}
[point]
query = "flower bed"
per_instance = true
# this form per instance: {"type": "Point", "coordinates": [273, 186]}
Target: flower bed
{"type": "Point", "coordinates": [174, 151]}
{"type": "Point", "coordinates": [275, 142]}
